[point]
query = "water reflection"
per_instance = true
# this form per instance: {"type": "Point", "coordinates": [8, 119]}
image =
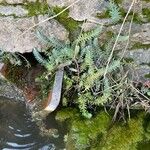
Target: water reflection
{"type": "Point", "coordinates": [17, 131]}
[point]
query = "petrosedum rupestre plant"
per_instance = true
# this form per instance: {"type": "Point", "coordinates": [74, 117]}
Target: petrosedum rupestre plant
{"type": "Point", "coordinates": [86, 81]}
{"type": "Point", "coordinates": [84, 61]}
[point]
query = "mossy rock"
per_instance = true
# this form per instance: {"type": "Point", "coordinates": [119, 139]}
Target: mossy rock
{"type": "Point", "coordinates": [98, 133]}
{"type": "Point", "coordinates": [83, 132]}
{"type": "Point", "coordinates": [123, 136]}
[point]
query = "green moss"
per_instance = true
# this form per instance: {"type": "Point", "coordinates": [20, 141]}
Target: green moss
{"type": "Point", "coordinates": [146, 0]}
{"type": "Point", "coordinates": [103, 15]}
{"type": "Point", "coordinates": [65, 20]}
{"type": "Point", "coordinates": [147, 76]}
{"type": "Point", "coordinates": [146, 13]}
{"type": "Point", "coordinates": [37, 8]}
{"type": "Point", "coordinates": [129, 60]}
{"type": "Point", "coordinates": [84, 132]}
{"type": "Point", "coordinates": [139, 45]}
{"type": "Point", "coordinates": [118, 1]}
{"type": "Point", "coordinates": [67, 113]}
{"type": "Point", "coordinates": [96, 134]}
{"type": "Point", "coordinates": [137, 18]}
{"type": "Point", "coordinates": [123, 136]}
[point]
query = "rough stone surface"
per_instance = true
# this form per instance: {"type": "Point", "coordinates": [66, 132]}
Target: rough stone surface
{"type": "Point", "coordinates": [94, 22]}
{"type": "Point", "coordinates": [14, 1]}
{"type": "Point", "coordinates": [11, 28]}
{"type": "Point", "coordinates": [139, 56]}
{"type": "Point", "coordinates": [138, 5]}
{"type": "Point", "coordinates": [139, 32]}
{"type": "Point", "coordinates": [138, 73]}
{"type": "Point", "coordinates": [85, 9]}
{"type": "Point", "coordinates": [143, 35]}
{"type": "Point", "coordinates": [60, 3]}
{"type": "Point", "coordinates": [141, 60]}
{"type": "Point", "coordinates": [127, 3]}
{"type": "Point", "coordinates": [53, 28]}
{"type": "Point", "coordinates": [12, 10]}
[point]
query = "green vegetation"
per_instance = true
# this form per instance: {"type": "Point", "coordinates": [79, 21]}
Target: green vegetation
{"type": "Point", "coordinates": [146, 12]}
{"type": "Point", "coordinates": [99, 133]}
{"type": "Point", "coordinates": [37, 8]}
{"type": "Point", "coordinates": [85, 60]}
{"type": "Point", "coordinates": [113, 12]}
{"type": "Point", "coordinates": [124, 137]}
{"type": "Point", "coordinates": [83, 132]}
{"type": "Point", "coordinates": [147, 76]}
{"type": "Point", "coordinates": [67, 113]}
{"type": "Point", "coordinates": [139, 45]}
{"type": "Point", "coordinates": [15, 59]}
{"type": "Point", "coordinates": [88, 85]}
{"type": "Point", "coordinates": [70, 24]}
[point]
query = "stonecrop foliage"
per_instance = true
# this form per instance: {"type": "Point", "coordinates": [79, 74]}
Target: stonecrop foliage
{"type": "Point", "coordinates": [84, 61]}
{"type": "Point", "coordinates": [86, 82]}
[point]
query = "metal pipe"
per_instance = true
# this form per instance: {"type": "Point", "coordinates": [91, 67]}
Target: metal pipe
{"type": "Point", "coordinates": [54, 100]}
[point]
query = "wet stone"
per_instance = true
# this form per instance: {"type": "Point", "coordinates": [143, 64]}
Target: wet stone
{"type": "Point", "coordinates": [9, 90]}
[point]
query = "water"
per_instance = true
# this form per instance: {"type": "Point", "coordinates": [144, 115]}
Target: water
{"type": "Point", "coordinates": [19, 132]}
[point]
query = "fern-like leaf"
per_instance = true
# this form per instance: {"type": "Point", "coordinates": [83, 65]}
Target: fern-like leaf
{"type": "Point", "coordinates": [89, 35]}
{"type": "Point", "coordinates": [114, 12]}
{"type": "Point", "coordinates": [39, 58]}
{"type": "Point", "coordinates": [51, 41]}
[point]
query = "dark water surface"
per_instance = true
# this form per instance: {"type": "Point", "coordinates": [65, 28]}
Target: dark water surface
{"type": "Point", "coordinates": [18, 131]}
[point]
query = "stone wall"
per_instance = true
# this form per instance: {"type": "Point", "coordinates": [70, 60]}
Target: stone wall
{"type": "Point", "coordinates": [17, 16]}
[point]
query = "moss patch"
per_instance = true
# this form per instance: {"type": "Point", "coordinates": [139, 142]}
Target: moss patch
{"type": "Point", "coordinates": [146, 13]}
{"type": "Point", "coordinates": [83, 132]}
{"type": "Point", "coordinates": [103, 15]}
{"type": "Point", "coordinates": [37, 8]}
{"type": "Point", "coordinates": [139, 45]}
{"type": "Point", "coordinates": [147, 76]}
{"type": "Point", "coordinates": [69, 23]}
{"type": "Point", "coordinates": [99, 133]}
{"type": "Point", "coordinates": [123, 136]}
{"type": "Point", "coordinates": [118, 1]}
{"type": "Point", "coordinates": [129, 60]}
{"type": "Point", "coordinates": [65, 114]}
